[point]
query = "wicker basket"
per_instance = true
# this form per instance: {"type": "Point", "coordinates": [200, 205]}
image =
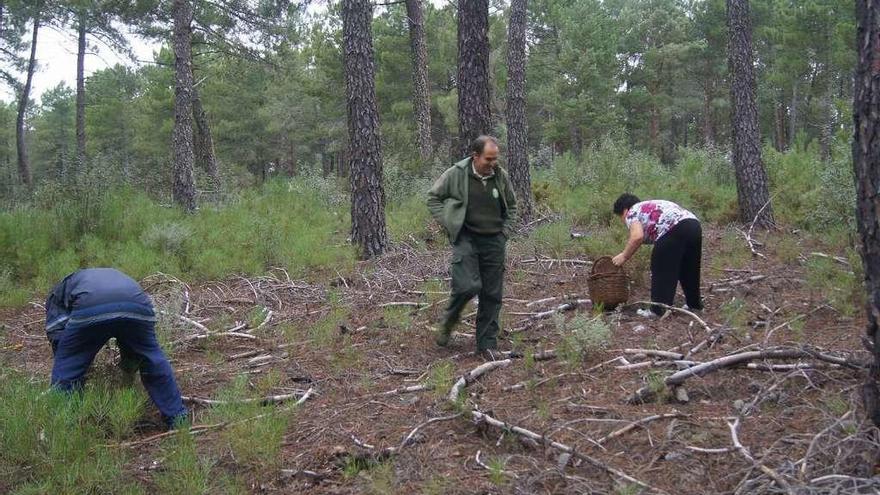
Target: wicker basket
{"type": "Point", "coordinates": [608, 283]}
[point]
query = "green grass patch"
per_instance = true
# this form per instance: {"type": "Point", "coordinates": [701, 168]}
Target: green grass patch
{"type": "Point", "coordinates": [837, 284]}
{"type": "Point", "coordinates": [398, 317]}
{"type": "Point", "coordinates": [274, 226]}
{"type": "Point", "coordinates": [732, 252]}
{"type": "Point", "coordinates": [255, 433]}
{"type": "Point", "coordinates": [440, 378]}
{"type": "Point", "coordinates": [55, 442]}
{"type": "Point", "coordinates": [581, 335]}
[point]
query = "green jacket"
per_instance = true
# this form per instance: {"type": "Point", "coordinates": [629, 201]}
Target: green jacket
{"type": "Point", "coordinates": [448, 199]}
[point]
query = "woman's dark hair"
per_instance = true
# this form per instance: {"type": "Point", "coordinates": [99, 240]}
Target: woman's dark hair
{"type": "Point", "coordinates": [625, 202]}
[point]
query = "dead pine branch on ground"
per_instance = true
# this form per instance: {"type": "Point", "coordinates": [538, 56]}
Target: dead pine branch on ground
{"type": "Point", "coordinates": [677, 379]}
{"type": "Point", "coordinates": [485, 418]}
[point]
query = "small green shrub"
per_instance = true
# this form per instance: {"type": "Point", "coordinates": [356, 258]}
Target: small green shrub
{"type": "Point", "coordinates": [255, 433]}
{"type": "Point", "coordinates": [580, 335]}
{"type": "Point", "coordinates": [184, 471]}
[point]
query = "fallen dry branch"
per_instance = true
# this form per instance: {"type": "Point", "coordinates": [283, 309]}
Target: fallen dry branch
{"type": "Point", "coordinates": [483, 418]}
{"type": "Point", "coordinates": [723, 450]}
{"type": "Point", "coordinates": [742, 359]}
{"type": "Point", "coordinates": [409, 438]}
{"type": "Point", "coordinates": [487, 468]}
{"type": "Point", "coordinates": [265, 320]}
{"type": "Point", "coordinates": [265, 401]}
{"type": "Point", "coordinates": [305, 473]}
{"type": "Point", "coordinates": [555, 260]}
{"type": "Point", "coordinates": [189, 321]}
{"type": "Point", "coordinates": [480, 417]}
{"type": "Point", "coordinates": [748, 234]}
{"type": "Point", "coordinates": [815, 441]}
{"type": "Point", "coordinates": [636, 424]}
{"type": "Point", "coordinates": [838, 259]}
{"type": "Point", "coordinates": [654, 352]}
{"type": "Point", "coordinates": [472, 375]}
{"type": "Point", "coordinates": [673, 308]}
{"type": "Point", "coordinates": [193, 338]}
{"type": "Point", "coordinates": [734, 437]}
{"type": "Point", "coordinates": [546, 314]}
{"type": "Point", "coordinates": [383, 454]}
{"type": "Point", "coordinates": [727, 285]}
{"type": "Point", "coordinates": [524, 384]}
{"type": "Point", "coordinates": [559, 309]}
{"type": "Point", "coordinates": [402, 303]}
{"type": "Point", "coordinates": [407, 390]}
{"type": "Point", "coordinates": [197, 429]}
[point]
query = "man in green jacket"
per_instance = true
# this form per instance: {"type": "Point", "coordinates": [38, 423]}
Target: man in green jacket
{"type": "Point", "coordinates": [474, 202]}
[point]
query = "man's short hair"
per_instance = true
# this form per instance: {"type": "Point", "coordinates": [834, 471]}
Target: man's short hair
{"type": "Point", "coordinates": [479, 144]}
{"type": "Point", "coordinates": [625, 202]}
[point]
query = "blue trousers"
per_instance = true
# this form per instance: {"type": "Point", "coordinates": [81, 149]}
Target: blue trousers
{"type": "Point", "coordinates": [76, 348]}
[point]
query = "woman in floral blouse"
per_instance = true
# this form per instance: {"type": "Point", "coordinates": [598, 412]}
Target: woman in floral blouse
{"type": "Point", "coordinates": [677, 239]}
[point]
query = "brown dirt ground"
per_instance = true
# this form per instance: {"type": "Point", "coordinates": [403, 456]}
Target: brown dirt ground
{"type": "Point", "coordinates": [371, 350]}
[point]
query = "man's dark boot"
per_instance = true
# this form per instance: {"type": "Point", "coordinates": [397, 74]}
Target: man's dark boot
{"type": "Point", "coordinates": [442, 335]}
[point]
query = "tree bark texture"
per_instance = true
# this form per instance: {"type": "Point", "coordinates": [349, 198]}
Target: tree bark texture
{"type": "Point", "coordinates": [203, 142]}
{"type": "Point", "coordinates": [826, 130]}
{"type": "Point", "coordinates": [24, 168]}
{"type": "Point", "coordinates": [866, 165]}
{"type": "Point", "coordinates": [81, 93]}
{"type": "Point", "coordinates": [517, 130]}
{"type": "Point", "coordinates": [751, 177]}
{"type": "Point", "coordinates": [421, 93]}
{"type": "Point", "coordinates": [779, 139]}
{"type": "Point", "coordinates": [365, 148]}
{"type": "Point", "coordinates": [654, 127]}
{"type": "Point", "coordinates": [184, 190]}
{"type": "Point", "coordinates": [474, 114]}
{"type": "Point", "coordinates": [793, 115]}
{"type": "Point", "coordinates": [708, 118]}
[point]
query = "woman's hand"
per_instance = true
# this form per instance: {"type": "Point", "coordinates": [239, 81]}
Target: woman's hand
{"type": "Point", "coordinates": [619, 260]}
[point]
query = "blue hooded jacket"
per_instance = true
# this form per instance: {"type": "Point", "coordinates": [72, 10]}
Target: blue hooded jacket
{"type": "Point", "coordinates": [95, 295]}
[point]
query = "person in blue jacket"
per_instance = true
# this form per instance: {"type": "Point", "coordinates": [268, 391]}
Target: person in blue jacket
{"type": "Point", "coordinates": [91, 306]}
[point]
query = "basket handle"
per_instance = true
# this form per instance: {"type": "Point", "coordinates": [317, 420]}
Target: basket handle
{"type": "Point", "coordinates": [606, 265]}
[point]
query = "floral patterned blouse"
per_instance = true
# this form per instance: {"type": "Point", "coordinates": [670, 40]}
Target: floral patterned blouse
{"type": "Point", "coordinates": [657, 217]}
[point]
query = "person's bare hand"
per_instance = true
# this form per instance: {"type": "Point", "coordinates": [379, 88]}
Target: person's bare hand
{"type": "Point", "coordinates": [619, 260]}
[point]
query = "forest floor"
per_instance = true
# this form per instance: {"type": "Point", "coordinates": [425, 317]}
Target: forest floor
{"type": "Point", "coordinates": [361, 352]}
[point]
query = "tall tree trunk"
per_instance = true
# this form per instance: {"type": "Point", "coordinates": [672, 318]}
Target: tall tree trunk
{"type": "Point", "coordinates": [203, 142]}
{"type": "Point", "coordinates": [751, 178]}
{"type": "Point", "coordinates": [474, 114]}
{"type": "Point", "coordinates": [365, 146]}
{"type": "Point", "coordinates": [80, 93]}
{"type": "Point", "coordinates": [826, 132]}
{"type": "Point", "coordinates": [517, 130]}
{"type": "Point", "coordinates": [793, 115]}
{"type": "Point", "coordinates": [686, 130]}
{"type": "Point", "coordinates": [779, 139]}
{"type": "Point", "coordinates": [866, 165]}
{"type": "Point", "coordinates": [184, 190]}
{"type": "Point", "coordinates": [577, 140]}
{"type": "Point", "coordinates": [24, 168]}
{"type": "Point", "coordinates": [421, 94]}
{"type": "Point", "coordinates": [708, 120]}
{"type": "Point", "coordinates": [654, 124]}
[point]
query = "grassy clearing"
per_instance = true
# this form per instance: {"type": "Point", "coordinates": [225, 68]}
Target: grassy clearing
{"type": "Point", "coordinates": [302, 225]}
{"type": "Point", "coordinates": [581, 335]}
{"type": "Point", "coordinates": [55, 443]}
{"type": "Point", "coordinates": [59, 443]}
{"type": "Point", "coordinates": [255, 443]}
{"type": "Point", "coordinates": [839, 285]}
{"type": "Point", "coordinates": [277, 226]}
